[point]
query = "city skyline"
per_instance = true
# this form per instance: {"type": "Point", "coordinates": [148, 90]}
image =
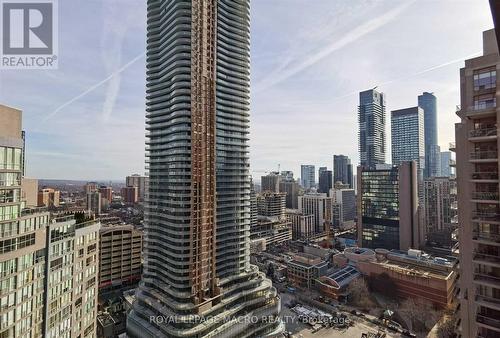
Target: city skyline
{"type": "Point", "coordinates": [289, 76]}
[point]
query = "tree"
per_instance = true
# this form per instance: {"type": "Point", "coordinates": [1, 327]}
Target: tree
{"type": "Point", "coordinates": [446, 327]}
{"type": "Point", "coordinates": [358, 293]}
{"type": "Point", "coordinates": [419, 314]}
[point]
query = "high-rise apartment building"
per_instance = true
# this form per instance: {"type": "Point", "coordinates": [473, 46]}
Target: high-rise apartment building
{"type": "Point", "coordinates": [130, 195]}
{"type": "Point", "coordinates": [197, 211]}
{"type": "Point", "coordinates": [302, 225]}
{"type": "Point", "coordinates": [428, 103]}
{"type": "Point", "coordinates": [120, 249]}
{"type": "Point", "coordinates": [388, 207]}
{"type": "Point", "coordinates": [91, 187]}
{"type": "Point", "coordinates": [325, 181]}
{"type": "Point", "coordinates": [320, 206]}
{"type": "Point", "coordinates": [371, 119]}
{"type": "Point", "coordinates": [478, 193]}
{"type": "Point", "coordinates": [94, 202]}
{"type": "Point", "coordinates": [71, 289]}
{"type": "Point", "coordinates": [447, 163]}
{"type": "Point", "coordinates": [344, 208]}
{"type": "Point", "coordinates": [291, 188]}
{"type": "Point", "coordinates": [407, 137]}
{"type": "Point", "coordinates": [307, 176]}
{"type": "Point", "coordinates": [138, 181]}
{"type": "Point", "coordinates": [22, 248]}
{"type": "Point", "coordinates": [440, 212]}
{"type": "Point", "coordinates": [47, 266]}
{"type": "Point", "coordinates": [342, 170]}
{"type": "Point", "coordinates": [106, 193]}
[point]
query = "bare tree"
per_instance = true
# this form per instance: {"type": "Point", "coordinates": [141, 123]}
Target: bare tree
{"type": "Point", "coordinates": [419, 314]}
{"type": "Point", "coordinates": [359, 294]}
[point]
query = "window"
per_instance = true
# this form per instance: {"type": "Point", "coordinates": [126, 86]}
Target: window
{"type": "Point", "coordinates": [485, 78]}
{"type": "Point", "coordinates": [484, 101]}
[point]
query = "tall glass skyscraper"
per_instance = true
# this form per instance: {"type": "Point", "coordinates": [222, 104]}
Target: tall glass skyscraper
{"type": "Point", "coordinates": [371, 118]}
{"type": "Point", "coordinates": [197, 279]}
{"type": "Point", "coordinates": [308, 176]}
{"type": "Point", "coordinates": [428, 102]}
{"type": "Point", "coordinates": [342, 170]}
{"type": "Point", "coordinates": [407, 136]}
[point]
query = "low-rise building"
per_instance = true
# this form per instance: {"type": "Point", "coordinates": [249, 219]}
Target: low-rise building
{"type": "Point", "coordinates": [334, 285]}
{"type": "Point", "coordinates": [304, 268]}
{"type": "Point", "coordinates": [274, 231]}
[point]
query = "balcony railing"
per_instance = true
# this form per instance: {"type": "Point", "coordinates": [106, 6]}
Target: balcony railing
{"type": "Point", "coordinates": [487, 257]}
{"type": "Point", "coordinates": [494, 237]}
{"type": "Point", "coordinates": [486, 216]}
{"type": "Point", "coordinates": [484, 319]}
{"type": "Point", "coordinates": [484, 155]}
{"type": "Point", "coordinates": [485, 175]}
{"type": "Point", "coordinates": [488, 299]}
{"type": "Point", "coordinates": [452, 146]}
{"type": "Point", "coordinates": [482, 132]}
{"type": "Point", "coordinates": [485, 196]}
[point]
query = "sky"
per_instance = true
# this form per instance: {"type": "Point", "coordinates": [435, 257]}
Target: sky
{"type": "Point", "coordinates": [309, 61]}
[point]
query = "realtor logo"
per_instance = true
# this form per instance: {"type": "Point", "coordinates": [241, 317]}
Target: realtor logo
{"type": "Point", "coordinates": [29, 34]}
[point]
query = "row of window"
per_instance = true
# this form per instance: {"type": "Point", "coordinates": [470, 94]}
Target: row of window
{"type": "Point", "coordinates": [10, 158]}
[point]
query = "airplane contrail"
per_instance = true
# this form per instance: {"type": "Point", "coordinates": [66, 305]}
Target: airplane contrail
{"type": "Point", "coordinates": [95, 86]}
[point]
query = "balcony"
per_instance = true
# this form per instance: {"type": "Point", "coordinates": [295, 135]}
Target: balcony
{"type": "Point", "coordinates": [484, 156]}
{"type": "Point", "coordinates": [486, 133]}
{"type": "Point", "coordinates": [488, 321]}
{"type": "Point", "coordinates": [485, 196]}
{"type": "Point", "coordinates": [452, 146]}
{"type": "Point", "coordinates": [486, 236]}
{"type": "Point", "coordinates": [485, 175]}
{"type": "Point", "coordinates": [490, 302]}
{"type": "Point", "coordinates": [486, 216]}
{"type": "Point", "coordinates": [486, 258]}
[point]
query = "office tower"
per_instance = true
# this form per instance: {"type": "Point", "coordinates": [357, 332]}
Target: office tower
{"type": "Point", "coordinates": [320, 206]}
{"type": "Point", "coordinates": [440, 212]}
{"type": "Point", "coordinates": [350, 176]}
{"type": "Point", "coordinates": [197, 211]}
{"type": "Point", "coordinates": [130, 195]}
{"type": "Point", "coordinates": [119, 256]}
{"type": "Point", "coordinates": [428, 103]}
{"type": "Point", "coordinates": [342, 170]}
{"type": "Point", "coordinates": [307, 176]}
{"type": "Point", "coordinates": [94, 202]}
{"type": "Point", "coordinates": [29, 190]}
{"type": "Point", "coordinates": [478, 193]}
{"type": "Point", "coordinates": [446, 164]}
{"type": "Point", "coordinates": [270, 182]}
{"type": "Point", "coordinates": [291, 188]}
{"type": "Point", "coordinates": [71, 289]}
{"type": "Point", "coordinates": [90, 187]}
{"type": "Point", "coordinates": [325, 181]}
{"type": "Point", "coordinates": [48, 197]}
{"type": "Point", "coordinates": [344, 204]}
{"type": "Point", "coordinates": [371, 118]}
{"type": "Point", "coordinates": [433, 162]}
{"type": "Point", "coordinates": [407, 137]}
{"type": "Point", "coordinates": [271, 204]}
{"type": "Point", "coordinates": [138, 181]}
{"type": "Point", "coordinates": [23, 242]}
{"type": "Point", "coordinates": [388, 207]}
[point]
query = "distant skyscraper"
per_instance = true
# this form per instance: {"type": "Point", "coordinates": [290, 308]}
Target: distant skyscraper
{"type": "Point", "coordinates": [197, 210]}
{"type": "Point", "coordinates": [308, 176]}
{"type": "Point", "coordinates": [137, 181]}
{"type": "Point", "coordinates": [371, 118]}
{"type": "Point", "coordinates": [94, 202]}
{"type": "Point", "coordinates": [446, 163]}
{"type": "Point", "coordinates": [325, 181]}
{"type": "Point", "coordinates": [291, 188]}
{"type": "Point", "coordinates": [388, 207]}
{"type": "Point", "coordinates": [319, 205]}
{"type": "Point", "coordinates": [407, 137]}
{"type": "Point", "coordinates": [342, 170]}
{"type": "Point", "coordinates": [427, 101]}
